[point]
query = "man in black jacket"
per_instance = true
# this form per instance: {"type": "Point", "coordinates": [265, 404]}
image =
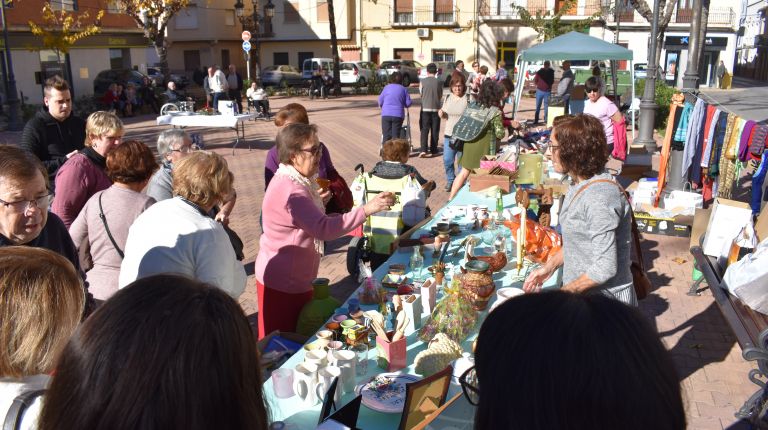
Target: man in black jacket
{"type": "Point", "coordinates": [54, 134]}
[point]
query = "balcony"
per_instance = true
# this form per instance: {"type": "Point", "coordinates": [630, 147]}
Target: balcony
{"type": "Point", "coordinates": [426, 17]}
{"type": "Point", "coordinates": [507, 9]}
{"type": "Point", "coordinates": [717, 16]}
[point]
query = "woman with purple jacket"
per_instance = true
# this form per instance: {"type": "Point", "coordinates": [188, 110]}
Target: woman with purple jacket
{"type": "Point", "coordinates": [393, 100]}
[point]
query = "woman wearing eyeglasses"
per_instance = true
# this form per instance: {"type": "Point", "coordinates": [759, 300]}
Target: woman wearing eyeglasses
{"type": "Point", "coordinates": [101, 229]}
{"type": "Point", "coordinates": [295, 226]}
{"type": "Point", "coordinates": [602, 367]}
{"type": "Point", "coordinates": [601, 108]}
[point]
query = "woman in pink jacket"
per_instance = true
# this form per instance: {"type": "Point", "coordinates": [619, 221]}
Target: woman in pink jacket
{"type": "Point", "coordinates": [295, 227]}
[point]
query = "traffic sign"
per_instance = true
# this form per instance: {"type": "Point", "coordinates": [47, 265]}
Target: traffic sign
{"type": "Point", "coordinates": [246, 46]}
{"type": "Point", "coordinates": [246, 36]}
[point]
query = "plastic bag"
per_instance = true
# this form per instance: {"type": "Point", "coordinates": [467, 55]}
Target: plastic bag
{"type": "Point", "coordinates": [747, 278]}
{"type": "Point", "coordinates": [540, 242]}
{"type": "Point", "coordinates": [358, 190]}
{"type": "Point", "coordinates": [414, 200]}
{"type": "Point", "coordinates": [452, 316]}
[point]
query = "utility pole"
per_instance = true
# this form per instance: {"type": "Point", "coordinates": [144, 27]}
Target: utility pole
{"type": "Point", "coordinates": [648, 105]}
{"type": "Point", "coordinates": [14, 104]}
{"type": "Point", "coordinates": [691, 76]}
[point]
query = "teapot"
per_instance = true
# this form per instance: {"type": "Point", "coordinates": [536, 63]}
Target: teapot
{"type": "Point", "coordinates": [477, 283]}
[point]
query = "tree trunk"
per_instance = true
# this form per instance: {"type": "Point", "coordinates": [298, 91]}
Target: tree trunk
{"type": "Point", "coordinates": [334, 49]}
{"type": "Point", "coordinates": [162, 54]}
{"type": "Point", "coordinates": [703, 38]}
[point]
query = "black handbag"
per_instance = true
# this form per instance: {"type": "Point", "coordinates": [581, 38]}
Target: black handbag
{"type": "Point", "coordinates": [456, 144]}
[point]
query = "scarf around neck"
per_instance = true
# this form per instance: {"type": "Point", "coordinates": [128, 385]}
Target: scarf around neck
{"type": "Point", "coordinates": [291, 173]}
{"type": "Point", "coordinates": [95, 157]}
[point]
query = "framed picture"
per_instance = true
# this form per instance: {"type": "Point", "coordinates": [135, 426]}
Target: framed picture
{"type": "Point", "coordinates": [424, 397]}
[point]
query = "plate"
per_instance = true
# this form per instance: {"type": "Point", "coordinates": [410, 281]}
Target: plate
{"type": "Point", "coordinates": [390, 399]}
{"type": "Point", "coordinates": [393, 281]}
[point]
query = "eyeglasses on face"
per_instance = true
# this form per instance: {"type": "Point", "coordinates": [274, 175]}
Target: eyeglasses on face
{"type": "Point", "coordinates": [21, 206]}
{"type": "Point", "coordinates": [593, 90]}
{"type": "Point", "coordinates": [470, 386]}
{"type": "Point", "coordinates": [315, 150]}
{"type": "Point", "coordinates": [184, 149]}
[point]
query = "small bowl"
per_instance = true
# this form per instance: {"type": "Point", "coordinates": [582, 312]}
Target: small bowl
{"type": "Point", "coordinates": [318, 344]}
{"type": "Point", "coordinates": [333, 326]}
{"type": "Point", "coordinates": [325, 334]}
{"type": "Point", "coordinates": [347, 324]}
{"type": "Point", "coordinates": [339, 318]}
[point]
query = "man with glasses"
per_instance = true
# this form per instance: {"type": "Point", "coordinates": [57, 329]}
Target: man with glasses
{"type": "Point", "coordinates": [173, 145]}
{"type": "Point", "coordinates": [54, 134]}
{"type": "Point", "coordinates": [24, 200]}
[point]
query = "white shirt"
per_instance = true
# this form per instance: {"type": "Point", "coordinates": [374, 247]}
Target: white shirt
{"type": "Point", "coordinates": [12, 387]}
{"type": "Point", "coordinates": [218, 82]}
{"type": "Point", "coordinates": [174, 237]}
{"type": "Point", "coordinates": [257, 94]}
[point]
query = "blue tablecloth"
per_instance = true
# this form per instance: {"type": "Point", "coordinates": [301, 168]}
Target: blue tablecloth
{"type": "Point", "coordinates": [292, 411]}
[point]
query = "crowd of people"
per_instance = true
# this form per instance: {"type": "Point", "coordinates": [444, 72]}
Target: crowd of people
{"type": "Point", "coordinates": [117, 286]}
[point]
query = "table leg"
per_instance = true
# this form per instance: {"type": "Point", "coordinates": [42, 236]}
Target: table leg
{"type": "Point", "coordinates": [239, 134]}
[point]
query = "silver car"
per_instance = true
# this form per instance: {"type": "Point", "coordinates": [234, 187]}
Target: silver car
{"type": "Point", "coordinates": [281, 75]}
{"type": "Point", "coordinates": [409, 68]}
{"type": "Point", "coordinates": [444, 72]}
{"type": "Point", "coordinates": [357, 72]}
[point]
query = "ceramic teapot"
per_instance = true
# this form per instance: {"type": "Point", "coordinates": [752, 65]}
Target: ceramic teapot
{"type": "Point", "coordinates": [477, 283]}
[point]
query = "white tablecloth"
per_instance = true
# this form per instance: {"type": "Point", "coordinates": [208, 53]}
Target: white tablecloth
{"type": "Point", "coordinates": [228, 121]}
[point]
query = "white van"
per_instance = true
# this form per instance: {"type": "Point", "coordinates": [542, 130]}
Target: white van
{"type": "Point", "coordinates": [311, 65]}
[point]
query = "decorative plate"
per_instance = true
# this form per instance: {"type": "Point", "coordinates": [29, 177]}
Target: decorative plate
{"type": "Point", "coordinates": [385, 392]}
{"type": "Point", "coordinates": [393, 281]}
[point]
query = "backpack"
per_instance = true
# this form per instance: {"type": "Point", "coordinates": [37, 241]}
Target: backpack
{"type": "Point", "coordinates": [473, 121]}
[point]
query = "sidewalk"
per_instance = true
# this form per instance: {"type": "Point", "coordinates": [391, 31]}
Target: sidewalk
{"type": "Point", "coordinates": [713, 374]}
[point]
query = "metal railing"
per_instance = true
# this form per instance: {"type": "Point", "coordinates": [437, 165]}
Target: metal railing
{"type": "Point", "coordinates": [427, 16]}
{"type": "Point", "coordinates": [508, 8]}
{"type": "Point", "coordinates": [717, 16]}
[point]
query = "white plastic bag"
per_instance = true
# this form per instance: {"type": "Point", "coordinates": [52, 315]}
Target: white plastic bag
{"type": "Point", "coordinates": [414, 201]}
{"type": "Point", "coordinates": [747, 278]}
{"type": "Point", "coordinates": [358, 190]}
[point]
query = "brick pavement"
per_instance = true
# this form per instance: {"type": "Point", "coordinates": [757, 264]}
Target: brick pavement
{"type": "Point", "coordinates": [713, 374]}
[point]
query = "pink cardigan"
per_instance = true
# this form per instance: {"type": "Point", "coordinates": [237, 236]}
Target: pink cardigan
{"type": "Point", "coordinates": [287, 259]}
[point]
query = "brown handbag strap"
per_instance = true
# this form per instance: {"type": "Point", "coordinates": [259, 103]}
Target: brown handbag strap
{"type": "Point", "coordinates": [635, 231]}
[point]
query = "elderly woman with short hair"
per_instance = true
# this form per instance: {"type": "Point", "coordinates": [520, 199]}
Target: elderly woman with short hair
{"type": "Point", "coordinates": [84, 174]}
{"type": "Point", "coordinates": [295, 226]}
{"type": "Point", "coordinates": [41, 303]}
{"type": "Point", "coordinates": [596, 217]}
{"type": "Point", "coordinates": [178, 236]}
{"type": "Point", "coordinates": [101, 229]}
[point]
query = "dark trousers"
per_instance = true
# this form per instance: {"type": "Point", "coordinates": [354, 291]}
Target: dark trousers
{"type": "Point", "coordinates": [390, 127]}
{"type": "Point", "coordinates": [429, 122]}
{"type": "Point", "coordinates": [237, 96]}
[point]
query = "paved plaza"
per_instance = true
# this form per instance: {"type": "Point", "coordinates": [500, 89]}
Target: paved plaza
{"type": "Point", "coordinates": [713, 374]}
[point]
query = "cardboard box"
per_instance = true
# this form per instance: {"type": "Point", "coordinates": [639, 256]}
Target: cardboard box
{"type": "Point", "coordinates": [482, 180]}
{"type": "Point", "coordinates": [391, 354]}
{"type": "Point", "coordinates": [700, 220]}
{"type": "Point", "coordinates": [727, 219]}
{"type": "Point", "coordinates": [677, 226]}
{"type": "Point", "coordinates": [761, 226]}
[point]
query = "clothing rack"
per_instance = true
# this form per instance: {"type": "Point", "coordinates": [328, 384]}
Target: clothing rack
{"type": "Point", "coordinates": [709, 100]}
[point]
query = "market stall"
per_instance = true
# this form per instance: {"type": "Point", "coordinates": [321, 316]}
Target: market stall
{"type": "Point", "coordinates": [193, 119]}
{"type": "Point", "coordinates": [464, 218]}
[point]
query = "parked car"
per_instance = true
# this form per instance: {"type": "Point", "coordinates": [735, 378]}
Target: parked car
{"type": "Point", "coordinates": [641, 70]}
{"type": "Point", "coordinates": [409, 68]}
{"type": "Point", "coordinates": [312, 65]}
{"type": "Point", "coordinates": [117, 76]}
{"type": "Point", "coordinates": [280, 75]}
{"type": "Point", "coordinates": [159, 79]}
{"type": "Point", "coordinates": [357, 72]}
{"type": "Point", "coordinates": [444, 71]}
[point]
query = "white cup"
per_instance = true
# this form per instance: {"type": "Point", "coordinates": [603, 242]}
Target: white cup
{"type": "Point", "coordinates": [324, 379]}
{"type": "Point", "coordinates": [345, 360]}
{"type": "Point", "coordinates": [317, 356]}
{"type": "Point", "coordinates": [305, 383]}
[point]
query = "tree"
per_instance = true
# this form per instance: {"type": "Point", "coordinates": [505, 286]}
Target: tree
{"type": "Point", "coordinates": [153, 17]}
{"type": "Point", "coordinates": [549, 25]}
{"type": "Point", "coordinates": [334, 49]}
{"type": "Point", "coordinates": [665, 10]}
{"type": "Point", "coordinates": [61, 29]}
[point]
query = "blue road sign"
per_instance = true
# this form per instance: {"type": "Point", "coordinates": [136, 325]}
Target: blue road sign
{"type": "Point", "coordinates": [246, 46]}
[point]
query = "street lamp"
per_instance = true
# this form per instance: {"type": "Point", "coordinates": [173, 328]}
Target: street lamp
{"type": "Point", "coordinates": [251, 23]}
{"type": "Point", "coordinates": [648, 104]}
{"type": "Point", "coordinates": [14, 114]}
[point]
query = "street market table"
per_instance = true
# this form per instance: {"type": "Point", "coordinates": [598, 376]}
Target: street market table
{"type": "Point", "coordinates": [191, 119]}
{"type": "Point", "coordinates": [293, 411]}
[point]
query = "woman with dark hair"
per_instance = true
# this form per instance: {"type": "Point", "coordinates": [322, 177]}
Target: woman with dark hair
{"type": "Point", "coordinates": [602, 367]}
{"type": "Point", "coordinates": [393, 101]}
{"type": "Point", "coordinates": [295, 227]}
{"type": "Point", "coordinates": [489, 100]}
{"type": "Point", "coordinates": [595, 216]}
{"type": "Point", "coordinates": [167, 352]}
{"type": "Point", "coordinates": [453, 106]}
{"type": "Point", "coordinates": [101, 229]}
{"type": "Point", "coordinates": [601, 108]}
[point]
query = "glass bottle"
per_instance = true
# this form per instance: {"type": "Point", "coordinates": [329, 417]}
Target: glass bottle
{"type": "Point", "coordinates": [417, 263]}
{"type": "Point", "coordinates": [315, 313]}
{"type": "Point", "coordinates": [499, 205]}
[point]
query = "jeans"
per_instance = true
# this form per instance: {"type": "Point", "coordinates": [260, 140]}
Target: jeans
{"type": "Point", "coordinates": [390, 127]}
{"type": "Point", "coordinates": [429, 121]}
{"type": "Point", "coordinates": [218, 96]}
{"type": "Point", "coordinates": [541, 95]}
{"type": "Point", "coordinates": [566, 104]}
{"type": "Point", "coordinates": [449, 160]}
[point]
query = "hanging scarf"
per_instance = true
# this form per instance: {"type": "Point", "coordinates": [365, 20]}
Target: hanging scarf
{"type": "Point", "coordinates": [291, 173]}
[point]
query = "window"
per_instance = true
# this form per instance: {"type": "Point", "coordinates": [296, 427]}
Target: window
{"type": "Point", "coordinates": [403, 11]}
{"type": "Point", "coordinates": [186, 19]}
{"type": "Point", "coordinates": [225, 59]}
{"type": "Point", "coordinates": [280, 58]}
{"type": "Point", "coordinates": [113, 6]}
{"type": "Point", "coordinates": [120, 58]}
{"type": "Point", "coordinates": [443, 11]}
{"type": "Point", "coordinates": [403, 54]}
{"type": "Point", "coordinates": [448, 55]}
{"type": "Point", "coordinates": [64, 4]}
{"type": "Point", "coordinates": [322, 11]}
{"type": "Point", "coordinates": [229, 18]}
{"type": "Point", "coordinates": [684, 11]}
{"type": "Point", "coordinates": [290, 12]}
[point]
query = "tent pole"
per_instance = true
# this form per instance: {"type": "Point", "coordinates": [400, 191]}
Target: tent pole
{"type": "Point", "coordinates": [521, 65]}
{"type": "Point", "coordinates": [632, 101]}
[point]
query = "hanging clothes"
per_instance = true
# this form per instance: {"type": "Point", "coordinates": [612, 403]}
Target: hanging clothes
{"type": "Point", "coordinates": [746, 135]}
{"type": "Point", "coordinates": [706, 156]}
{"type": "Point", "coordinates": [674, 114]}
{"type": "Point", "coordinates": [759, 140]}
{"type": "Point", "coordinates": [728, 157]}
{"type": "Point", "coordinates": [717, 146]}
{"type": "Point", "coordinates": [698, 156]}
{"type": "Point", "coordinates": [694, 135]}
{"type": "Point", "coordinates": [682, 127]}
{"type": "Point", "coordinates": [758, 178]}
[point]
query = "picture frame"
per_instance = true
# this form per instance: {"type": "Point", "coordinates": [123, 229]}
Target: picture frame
{"type": "Point", "coordinates": [425, 397]}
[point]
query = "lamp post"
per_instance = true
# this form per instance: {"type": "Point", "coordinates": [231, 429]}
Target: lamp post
{"type": "Point", "coordinates": [14, 115]}
{"type": "Point", "coordinates": [648, 105]}
{"type": "Point", "coordinates": [251, 23]}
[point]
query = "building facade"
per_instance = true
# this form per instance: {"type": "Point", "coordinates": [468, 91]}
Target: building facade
{"type": "Point", "coordinates": [752, 51]}
{"type": "Point", "coordinates": [120, 44]}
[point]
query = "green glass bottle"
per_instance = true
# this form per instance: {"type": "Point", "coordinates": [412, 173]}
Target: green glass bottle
{"type": "Point", "coordinates": [499, 204]}
{"type": "Point", "coordinates": [315, 313]}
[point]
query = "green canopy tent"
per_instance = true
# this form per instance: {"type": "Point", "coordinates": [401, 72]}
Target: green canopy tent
{"type": "Point", "coordinates": [572, 46]}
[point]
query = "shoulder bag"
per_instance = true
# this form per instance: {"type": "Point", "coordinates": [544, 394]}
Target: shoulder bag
{"type": "Point", "coordinates": [20, 404]}
{"type": "Point", "coordinates": [341, 196]}
{"type": "Point", "coordinates": [471, 123]}
{"type": "Point", "coordinates": [640, 280]}
{"type": "Point", "coordinates": [109, 233]}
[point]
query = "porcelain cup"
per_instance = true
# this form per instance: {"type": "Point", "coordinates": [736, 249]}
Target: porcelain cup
{"type": "Point", "coordinates": [317, 357]}
{"type": "Point", "coordinates": [345, 360]}
{"type": "Point", "coordinates": [305, 383]}
{"type": "Point", "coordinates": [324, 379]}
